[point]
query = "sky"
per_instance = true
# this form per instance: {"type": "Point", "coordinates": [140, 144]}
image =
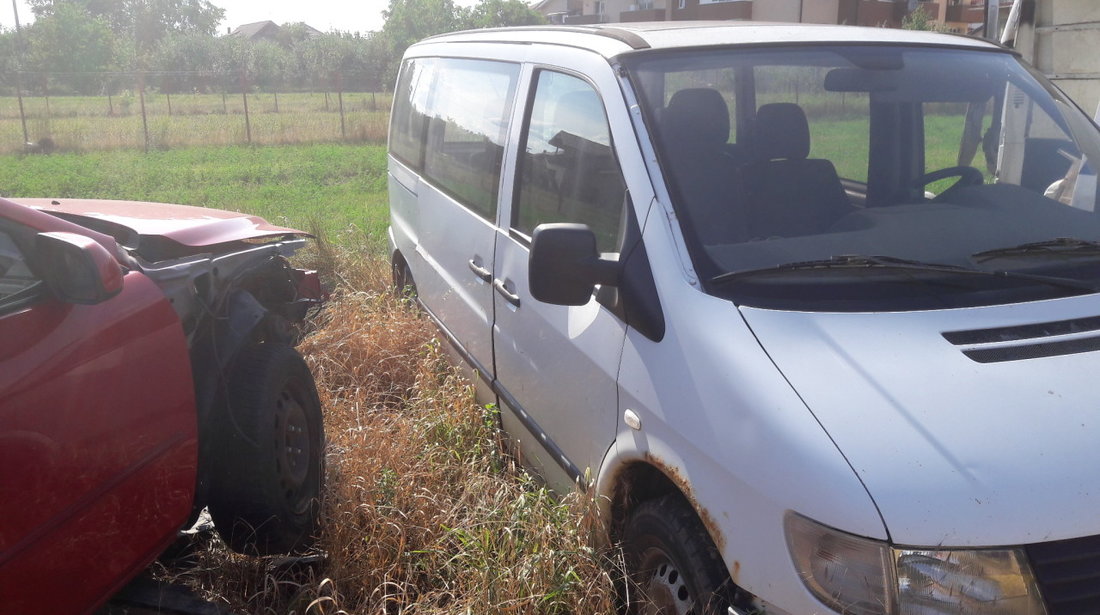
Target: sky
{"type": "Point", "coordinates": [325, 15]}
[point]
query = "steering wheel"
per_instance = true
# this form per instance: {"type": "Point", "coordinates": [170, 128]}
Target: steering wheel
{"type": "Point", "coordinates": [968, 176]}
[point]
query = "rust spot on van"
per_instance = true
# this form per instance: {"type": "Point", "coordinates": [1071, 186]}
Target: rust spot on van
{"type": "Point", "coordinates": [673, 474]}
{"type": "Point", "coordinates": [735, 572]}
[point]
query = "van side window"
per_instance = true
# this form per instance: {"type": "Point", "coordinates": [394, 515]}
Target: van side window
{"type": "Point", "coordinates": [568, 171]}
{"type": "Point", "coordinates": [468, 108]}
{"type": "Point", "coordinates": [410, 114]}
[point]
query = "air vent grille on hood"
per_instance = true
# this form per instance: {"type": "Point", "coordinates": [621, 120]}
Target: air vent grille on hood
{"type": "Point", "coordinates": [996, 344]}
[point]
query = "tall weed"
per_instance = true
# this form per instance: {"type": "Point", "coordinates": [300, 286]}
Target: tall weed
{"type": "Point", "coordinates": [425, 512]}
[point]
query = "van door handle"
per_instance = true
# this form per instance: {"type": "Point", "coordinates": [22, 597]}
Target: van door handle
{"type": "Point", "coordinates": [510, 297]}
{"type": "Point", "coordinates": [480, 271]}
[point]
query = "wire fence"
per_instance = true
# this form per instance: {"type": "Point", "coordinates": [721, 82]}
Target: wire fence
{"type": "Point", "coordinates": [151, 114]}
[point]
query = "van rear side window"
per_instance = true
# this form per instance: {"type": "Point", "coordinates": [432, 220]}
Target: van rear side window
{"type": "Point", "coordinates": [450, 122]}
{"type": "Point", "coordinates": [409, 121]}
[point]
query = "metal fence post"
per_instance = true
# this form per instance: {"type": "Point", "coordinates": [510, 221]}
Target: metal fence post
{"type": "Point", "coordinates": [244, 96]}
{"type": "Point", "coordinates": [144, 118]}
{"type": "Point", "coordinates": [17, 43]}
{"type": "Point", "coordinates": [340, 97]}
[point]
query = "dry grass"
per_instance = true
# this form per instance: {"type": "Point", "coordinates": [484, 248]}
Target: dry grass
{"type": "Point", "coordinates": [425, 513]}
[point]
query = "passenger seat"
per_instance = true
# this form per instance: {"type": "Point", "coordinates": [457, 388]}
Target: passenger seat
{"type": "Point", "coordinates": [695, 129]}
{"type": "Point", "coordinates": [790, 194]}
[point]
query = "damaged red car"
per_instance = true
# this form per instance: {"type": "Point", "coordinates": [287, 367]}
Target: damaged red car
{"type": "Point", "coordinates": [147, 371]}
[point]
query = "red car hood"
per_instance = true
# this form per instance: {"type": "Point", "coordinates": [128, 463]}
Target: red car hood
{"type": "Point", "coordinates": [194, 227]}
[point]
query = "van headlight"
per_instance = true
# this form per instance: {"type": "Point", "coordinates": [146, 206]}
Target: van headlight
{"type": "Point", "coordinates": [860, 576]}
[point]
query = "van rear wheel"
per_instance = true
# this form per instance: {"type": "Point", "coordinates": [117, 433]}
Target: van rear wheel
{"type": "Point", "coordinates": [403, 285]}
{"type": "Point", "coordinates": [673, 567]}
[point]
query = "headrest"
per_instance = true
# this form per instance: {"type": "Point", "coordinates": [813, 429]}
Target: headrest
{"type": "Point", "coordinates": [697, 115]}
{"type": "Point", "coordinates": [781, 132]}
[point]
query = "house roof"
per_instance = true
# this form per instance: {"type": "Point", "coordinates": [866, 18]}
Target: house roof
{"type": "Point", "coordinates": [254, 30]}
{"type": "Point", "coordinates": [267, 29]}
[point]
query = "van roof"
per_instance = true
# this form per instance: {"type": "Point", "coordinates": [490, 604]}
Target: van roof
{"type": "Point", "coordinates": [613, 39]}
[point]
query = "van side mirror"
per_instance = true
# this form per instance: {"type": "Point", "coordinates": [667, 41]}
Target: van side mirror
{"type": "Point", "coordinates": [77, 268]}
{"type": "Point", "coordinates": [564, 265]}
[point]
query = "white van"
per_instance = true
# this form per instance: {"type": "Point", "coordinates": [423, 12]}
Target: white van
{"type": "Point", "coordinates": [812, 310]}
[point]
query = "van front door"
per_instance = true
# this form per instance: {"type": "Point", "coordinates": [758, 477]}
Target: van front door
{"type": "Point", "coordinates": [557, 365]}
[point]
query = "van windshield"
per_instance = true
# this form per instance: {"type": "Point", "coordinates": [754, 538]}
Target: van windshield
{"type": "Point", "coordinates": [874, 177]}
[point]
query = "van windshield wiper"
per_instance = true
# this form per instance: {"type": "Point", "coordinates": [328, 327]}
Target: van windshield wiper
{"type": "Point", "coordinates": [858, 261]}
{"type": "Point", "coordinates": [1060, 246]}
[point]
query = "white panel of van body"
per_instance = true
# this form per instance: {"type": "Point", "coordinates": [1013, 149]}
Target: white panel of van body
{"type": "Point", "coordinates": [568, 391]}
{"type": "Point", "coordinates": [452, 242]}
{"type": "Point", "coordinates": [1005, 447]}
{"type": "Point", "coordinates": [557, 364]}
{"type": "Point", "coordinates": [404, 234]}
{"type": "Point", "coordinates": [567, 387]}
{"type": "Point", "coordinates": [452, 256]}
{"type": "Point", "coordinates": [723, 423]}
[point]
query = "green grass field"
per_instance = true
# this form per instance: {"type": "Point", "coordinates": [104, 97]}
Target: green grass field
{"type": "Point", "coordinates": [331, 188]}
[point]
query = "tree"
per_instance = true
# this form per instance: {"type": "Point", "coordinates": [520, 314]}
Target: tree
{"type": "Point", "coordinates": [145, 22]}
{"type": "Point", "coordinates": [333, 57]}
{"type": "Point", "coordinates": [919, 20]}
{"type": "Point", "coordinates": [408, 21]}
{"type": "Point", "coordinates": [191, 56]}
{"type": "Point", "coordinates": [381, 71]}
{"type": "Point", "coordinates": [498, 13]}
{"type": "Point", "coordinates": [9, 61]}
{"type": "Point", "coordinates": [293, 34]}
{"type": "Point", "coordinates": [70, 42]}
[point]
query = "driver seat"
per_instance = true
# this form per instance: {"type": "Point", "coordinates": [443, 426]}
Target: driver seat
{"type": "Point", "coordinates": [789, 193]}
{"type": "Point", "coordinates": [695, 128]}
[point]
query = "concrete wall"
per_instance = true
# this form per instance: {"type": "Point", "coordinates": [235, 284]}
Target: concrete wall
{"type": "Point", "coordinates": [612, 8]}
{"type": "Point", "coordinates": [776, 10]}
{"type": "Point", "coordinates": [1060, 38]}
{"type": "Point", "coordinates": [821, 11]}
{"type": "Point", "coordinates": [731, 9]}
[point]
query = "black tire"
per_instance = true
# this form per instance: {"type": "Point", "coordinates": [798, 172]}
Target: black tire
{"type": "Point", "coordinates": [673, 567]}
{"type": "Point", "coordinates": [269, 471]}
{"type": "Point", "coordinates": [404, 287]}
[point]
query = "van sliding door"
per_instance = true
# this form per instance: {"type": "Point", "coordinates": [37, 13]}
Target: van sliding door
{"type": "Point", "coordinates": [458, 113]}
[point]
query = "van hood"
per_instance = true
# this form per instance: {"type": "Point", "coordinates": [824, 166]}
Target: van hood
{"type": "Point", "coordinates": [968, 427]}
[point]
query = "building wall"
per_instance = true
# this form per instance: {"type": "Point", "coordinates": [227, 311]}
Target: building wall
{"type": "Point", "coordinates": [613, 8]}
{"type": "Point", "coordinates": [889, 13]}
{"type": "Point", "coordinates": [821, 11]}
{"type": "Point", "coordinates": [877, 13]}
{"type": "Point", "coordinates": [1059, 37]}
{"type": "Point", "coordinates": [695, 9]}
{"type": "Point", "coordinates": [644, 15]}
{"type": "Point", "coordinates": [776, 10]}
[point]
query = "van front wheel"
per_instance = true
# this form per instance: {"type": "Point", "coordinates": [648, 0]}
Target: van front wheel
{"type": "Point", "coordinates": [674, 568]}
